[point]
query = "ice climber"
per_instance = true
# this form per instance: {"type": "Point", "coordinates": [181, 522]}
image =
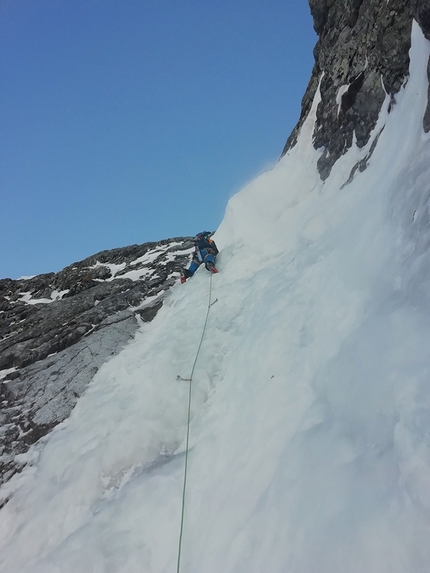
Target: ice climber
{"type": "Point", "coordinates": [205, 251]}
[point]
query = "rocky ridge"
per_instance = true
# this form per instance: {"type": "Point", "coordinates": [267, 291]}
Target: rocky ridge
{"type": "Point", "coordinates": [362, 55]}
{"type": "Point", "coordinates": [57, 329]}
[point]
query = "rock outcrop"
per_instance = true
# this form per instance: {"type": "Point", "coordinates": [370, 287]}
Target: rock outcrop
{"type": "Point", "coordinates": [361, 56]}
{"type": "Point", "coordinates": [57, 329]}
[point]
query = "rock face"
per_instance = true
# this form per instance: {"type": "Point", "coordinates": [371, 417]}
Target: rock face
{"type": "Point", "coordinates": [361, 55]}
{"type": "Point", "coordinates": [56, 330]}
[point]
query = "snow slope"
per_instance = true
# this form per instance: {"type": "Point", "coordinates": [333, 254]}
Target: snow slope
{"type": "Point", "coordinates": [310, 435]}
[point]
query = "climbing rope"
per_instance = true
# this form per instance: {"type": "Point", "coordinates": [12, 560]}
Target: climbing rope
{"type": "Point", "coordinates": [190, 380]}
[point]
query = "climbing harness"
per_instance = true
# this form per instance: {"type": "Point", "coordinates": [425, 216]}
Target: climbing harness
{"type": "Point", "coordinates": [190, 380]}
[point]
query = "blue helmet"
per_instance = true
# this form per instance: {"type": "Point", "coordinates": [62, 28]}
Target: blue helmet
{"type": "Point", "coordinates": [203, 235]}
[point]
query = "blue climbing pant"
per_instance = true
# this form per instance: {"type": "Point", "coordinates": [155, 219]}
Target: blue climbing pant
{"type": "Point", "coordinates": [205, 258]}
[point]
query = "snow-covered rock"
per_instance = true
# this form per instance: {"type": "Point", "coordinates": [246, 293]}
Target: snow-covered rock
{"type": "Point", "coordinates": [57, 329]}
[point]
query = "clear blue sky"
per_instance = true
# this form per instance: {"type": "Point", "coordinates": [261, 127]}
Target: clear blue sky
{"type": "Point", "coordinates": [126, 121]}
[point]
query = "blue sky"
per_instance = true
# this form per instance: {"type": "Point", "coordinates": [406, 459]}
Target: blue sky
{"type": "Point", "coordinates": [126, 121]}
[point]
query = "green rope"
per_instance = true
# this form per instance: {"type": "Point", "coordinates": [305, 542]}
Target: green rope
{"type": "Point", "coordinates": [190, 379]}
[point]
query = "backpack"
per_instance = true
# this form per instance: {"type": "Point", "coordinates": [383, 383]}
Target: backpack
{"type": "Point", "coordinates": [204, 241]}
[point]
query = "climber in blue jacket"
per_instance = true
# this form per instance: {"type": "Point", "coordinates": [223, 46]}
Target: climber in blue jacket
{"type": "Point", "coordinates": [205, 251]}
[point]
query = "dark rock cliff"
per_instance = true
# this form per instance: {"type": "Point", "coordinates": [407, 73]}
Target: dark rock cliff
{"type": "Point", "coordinates": [57, 329]}
{"type": "Point", "coordinates": [361, 55]}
